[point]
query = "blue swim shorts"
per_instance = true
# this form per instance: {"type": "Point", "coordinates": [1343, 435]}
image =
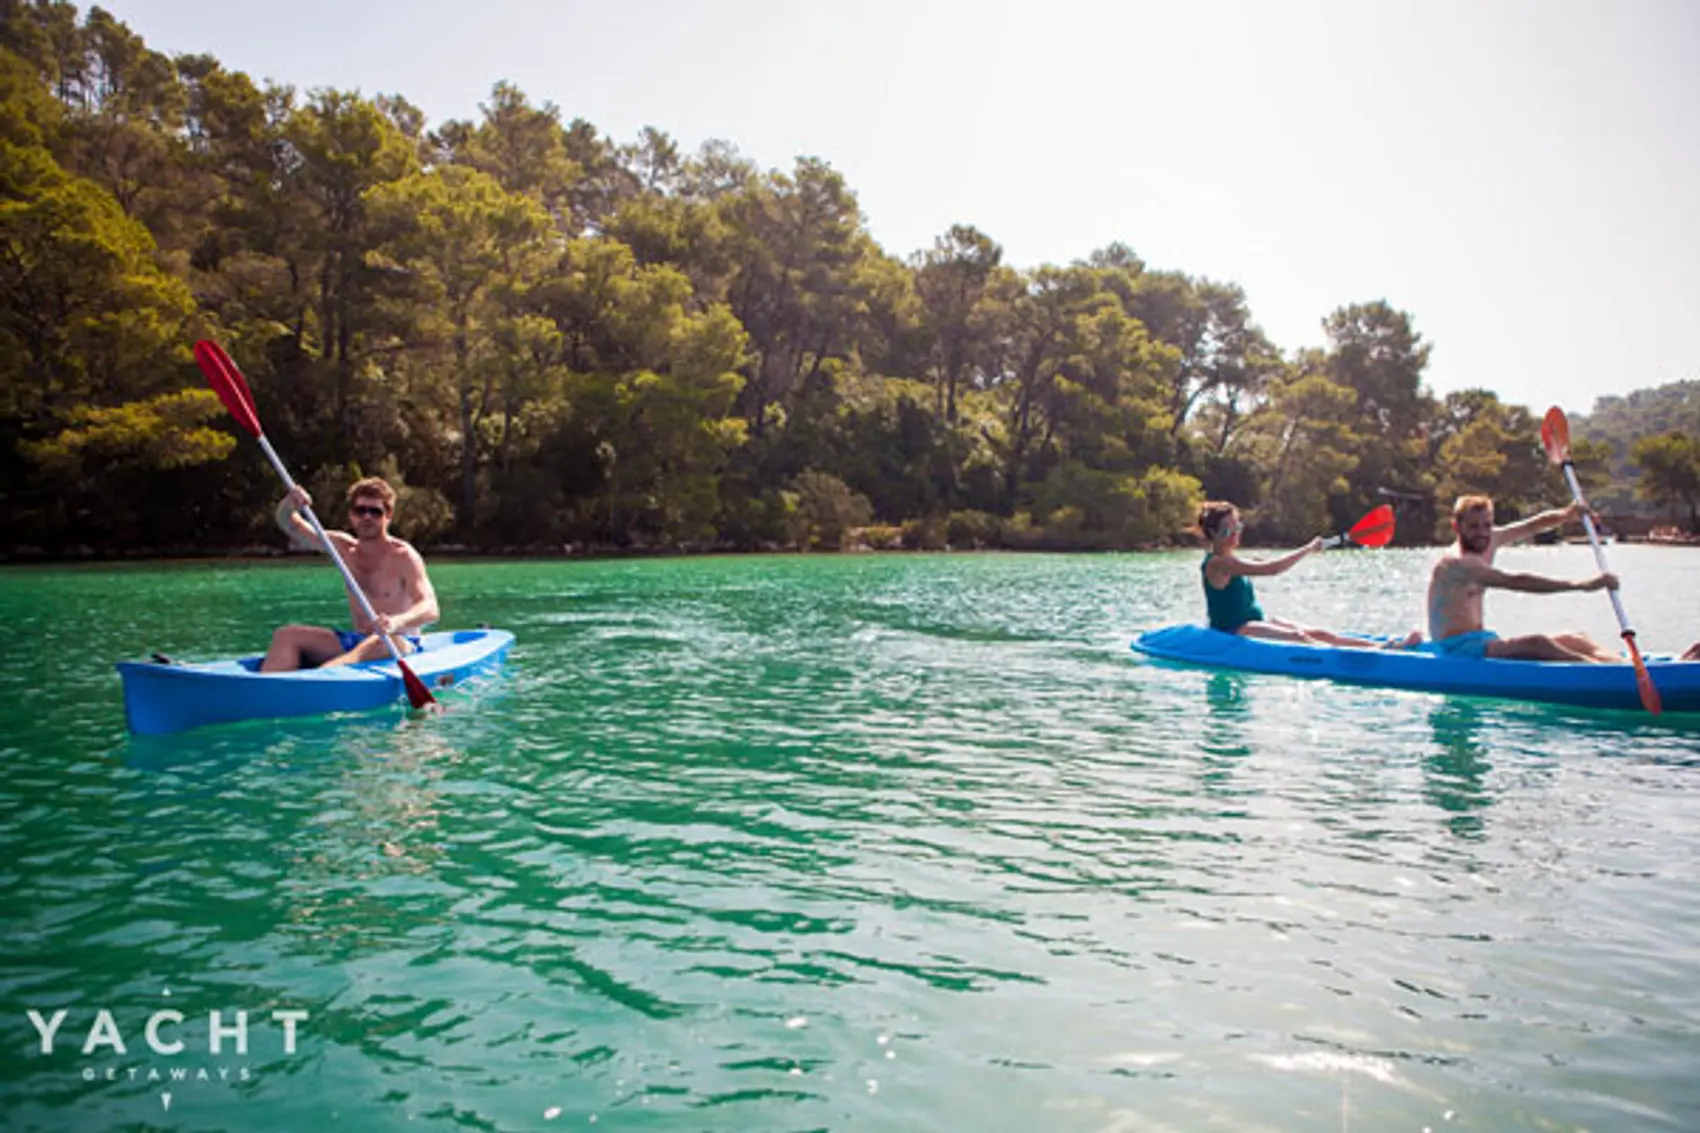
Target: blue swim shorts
{"type": "Point", "coordinates": [349, 638]}
{"type": "Point", "coordinates": [1470, 646]}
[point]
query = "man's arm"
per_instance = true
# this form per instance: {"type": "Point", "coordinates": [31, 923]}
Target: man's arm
{"type": "Point", "coordinates": [300, 532]}
{"type": "Point", "coordinates": [1533, 583]}
{"type": "Point", "coordinates": [1534, 525]}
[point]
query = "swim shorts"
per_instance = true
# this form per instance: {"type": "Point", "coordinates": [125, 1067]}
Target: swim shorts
{"type": "Point", "coordinates": [1470, 646]}
{"type": "Point", "coordinates": [349, 638]}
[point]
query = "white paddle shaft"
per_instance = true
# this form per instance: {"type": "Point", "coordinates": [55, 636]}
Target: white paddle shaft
{"type": "Point", "coordinates": [1594, 541]}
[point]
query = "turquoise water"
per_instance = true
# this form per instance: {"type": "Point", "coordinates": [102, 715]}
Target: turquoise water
{"type": "Point", "coordinates": [860, 842]}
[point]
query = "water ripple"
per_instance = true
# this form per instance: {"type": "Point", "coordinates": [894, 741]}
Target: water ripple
{"type": "Point", "coordinates": [860, 842]}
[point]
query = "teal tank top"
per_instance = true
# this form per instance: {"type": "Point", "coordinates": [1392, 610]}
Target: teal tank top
{"type": "Point", "coordinates": [1232, 606]}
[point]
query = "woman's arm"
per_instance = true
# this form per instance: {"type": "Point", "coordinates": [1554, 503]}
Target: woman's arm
{"type": "Point", "coordinates": [1227, 567]}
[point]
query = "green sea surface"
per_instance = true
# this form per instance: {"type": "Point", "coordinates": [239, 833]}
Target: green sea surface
{"type": "Point", "coordinates": [861, 842]}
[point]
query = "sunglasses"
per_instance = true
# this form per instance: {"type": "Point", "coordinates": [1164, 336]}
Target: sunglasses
{"type": "Point", "coordinates": [367, 511]}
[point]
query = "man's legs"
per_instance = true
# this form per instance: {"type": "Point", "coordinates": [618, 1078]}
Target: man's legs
{"type": "Point", "coordinates": [315, 647]}
{"type": "Point", "coordinates": [1582, 643]}
{"type": "Point", "coordinates": [1549, 647]}
{"type": "Point", "coordinates": [300, 647]}
{"type": "Point", "coordinates": [371, 648]}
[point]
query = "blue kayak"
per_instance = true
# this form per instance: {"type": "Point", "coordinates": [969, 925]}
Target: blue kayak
{"type": "Point", "coordinates": [161, 698]}
{"type": "Point", "coordinates": [1578, 685]}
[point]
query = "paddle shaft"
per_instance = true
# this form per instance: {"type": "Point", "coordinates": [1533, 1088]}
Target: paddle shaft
{"type": "Point", "coordinates": [330, 547]}
{"type": "Point", "coordinates": [1555, 438]}
{"type": "Point", "coordinates": [1594, 541]}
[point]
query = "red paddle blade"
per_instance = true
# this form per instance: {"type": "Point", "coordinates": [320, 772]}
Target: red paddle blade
{"type": "Point", "coordinates": [1555, 436]}
{"type": "Point", "coordinates": [417, 694]}
{"type": "Point", "coordinates": [1643, 679]}
{"type": "Point", "coordinates": [227, 381]}
{"type": "Point", "coordinates": [1374, 529]}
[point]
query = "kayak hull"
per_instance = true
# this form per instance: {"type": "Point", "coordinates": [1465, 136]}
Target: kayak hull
{"type": "Point", "coordinates": [160, 698]}
{"type": "Point", "coordinates": [1576, 685]}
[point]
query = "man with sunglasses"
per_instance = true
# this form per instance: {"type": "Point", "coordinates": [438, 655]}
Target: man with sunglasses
{"type": "Point", "coordinates": [389, 570]}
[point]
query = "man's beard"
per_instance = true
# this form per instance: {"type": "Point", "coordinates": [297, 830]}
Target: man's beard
{"type": "Point", "coordinates": [1475, 546]}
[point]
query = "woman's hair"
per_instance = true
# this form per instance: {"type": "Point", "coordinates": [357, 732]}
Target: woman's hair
{"type": "Point", "coordinates": [1213, 516]}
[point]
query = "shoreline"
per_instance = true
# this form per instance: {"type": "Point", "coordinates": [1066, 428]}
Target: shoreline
{"type": "Point", "coordinates": [261, 553]}
{"type": "Point", "coordinates": [257, 554]}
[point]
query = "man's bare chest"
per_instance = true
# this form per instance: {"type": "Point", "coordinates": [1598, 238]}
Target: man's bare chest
{"type": "Point", "coordinates": [377, 573]}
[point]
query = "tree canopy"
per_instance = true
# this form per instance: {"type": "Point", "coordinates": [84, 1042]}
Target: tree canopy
{"type": "Point", "coordinates": [547, 337]}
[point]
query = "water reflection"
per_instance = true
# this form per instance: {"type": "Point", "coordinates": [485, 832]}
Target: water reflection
{"type": "Point", "coordinates": [351, 820]}
{"type": "Point", "coordinates": [1227, 714]}
{"type": "Point", "coordinates": [1671, 739]}
{"type": "Point", "coordinates": [1224, 694]}
{"type": "Point", "coordinates": [209, 752]}
{"type": "Point", "coordinates": [1455, 771]}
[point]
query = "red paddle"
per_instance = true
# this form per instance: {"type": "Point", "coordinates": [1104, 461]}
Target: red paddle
{"type": "Point", "coordinates": [1373, 530]}
{"type": "Point", "coordinates": [1555, 436]}
{"type": "Point", "coordinates": [232, 389]}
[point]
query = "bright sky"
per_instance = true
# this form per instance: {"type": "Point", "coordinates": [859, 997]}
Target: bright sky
{"type": "Point", "coordinates": [1521, 176]}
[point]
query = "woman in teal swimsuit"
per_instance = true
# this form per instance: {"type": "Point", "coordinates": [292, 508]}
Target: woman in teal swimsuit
{"type": "Point", "coordinates": [1231, 601]}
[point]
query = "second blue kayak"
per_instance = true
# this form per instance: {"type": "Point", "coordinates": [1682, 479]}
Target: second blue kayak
{"type": "Point", "coordinates": [1580, 685]}
{"type": "Point", "coordinates": [161, 698]}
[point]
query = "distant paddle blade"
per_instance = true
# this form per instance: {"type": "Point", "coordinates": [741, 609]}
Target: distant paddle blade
{"type": "Point", "coordinates": [1555, 436]}
{"type": "Point", "coordinates": [1643, 679]}
{"type": "Point", "coordinates": [417, 694]}
{"type": "Point", "coordinates": [1374, 529]}
{"type": "Point", "coordinates": [1376, 537]}
{"type": "Point", "coordinates": [227, 381]}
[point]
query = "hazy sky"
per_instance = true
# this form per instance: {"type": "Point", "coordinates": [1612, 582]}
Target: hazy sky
{"type": "Point", "coordinates": [1521, 176]}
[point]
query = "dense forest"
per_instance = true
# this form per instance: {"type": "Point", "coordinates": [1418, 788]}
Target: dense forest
{"type": "Point", "coordinates": [1652, 441]}
{"type": "Point", "coordinates": [547, 338]}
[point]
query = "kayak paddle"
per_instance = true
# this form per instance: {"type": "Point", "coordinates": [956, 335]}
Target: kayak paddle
{"type": "Point", "coordinates": [1373, 530]}
{"type": "Point", "coordinates": [1555, 437]}
{"type": "Point", "coordinates": [232, 389]}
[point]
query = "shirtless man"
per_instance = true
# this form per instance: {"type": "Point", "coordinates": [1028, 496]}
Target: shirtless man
{"type": "Point", "coordinates": [389, 570]}
{"type": "Point", "coordinates": [1465, 573]}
